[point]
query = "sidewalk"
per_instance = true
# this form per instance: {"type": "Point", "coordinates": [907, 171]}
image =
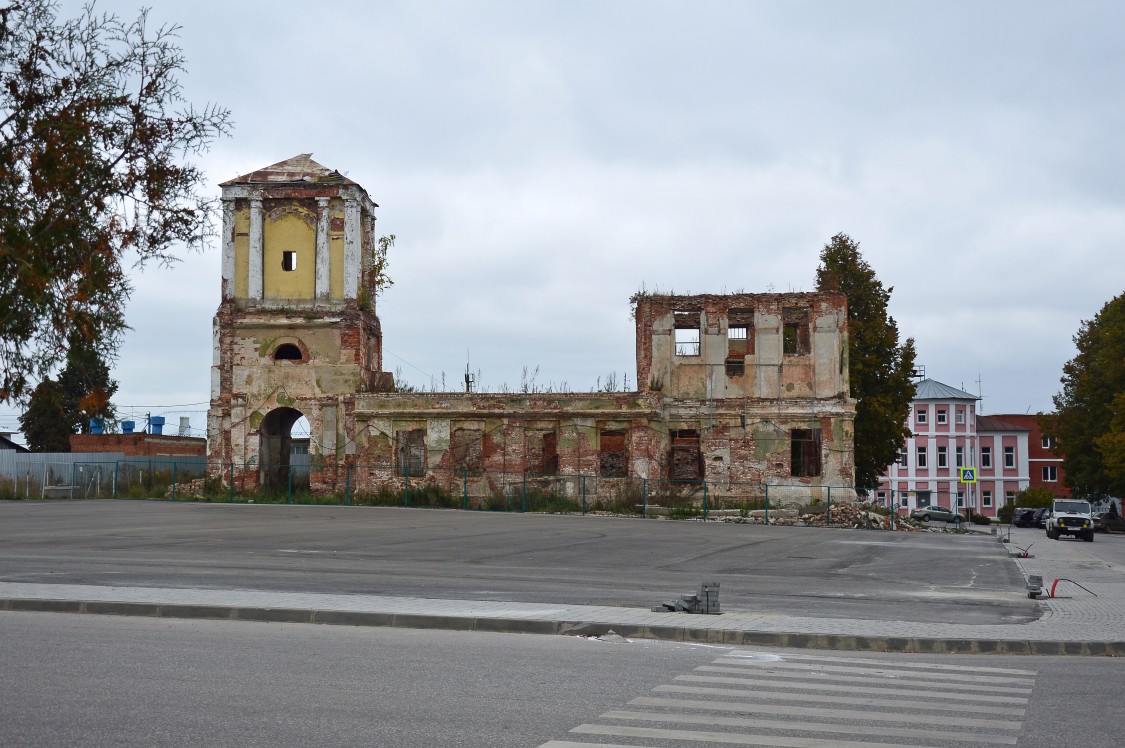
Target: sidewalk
{"type": "Point", "coordinates": [1074, 622]}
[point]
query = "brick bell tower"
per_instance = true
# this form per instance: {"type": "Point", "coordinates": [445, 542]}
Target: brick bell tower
{"type": "Point", "coordinates": [296, 332]}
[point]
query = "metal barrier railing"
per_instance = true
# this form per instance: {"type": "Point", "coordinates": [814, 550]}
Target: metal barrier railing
{"type": "Point", "coordinates": [312, 482]}
{"type": "Point", "coordinates": [390, 485]}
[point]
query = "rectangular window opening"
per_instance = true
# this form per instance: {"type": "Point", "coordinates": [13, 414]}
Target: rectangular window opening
{"type": "Point", "coordinates": [543, 453]}
{"type": "Point", "coordinates": [986, 498]}
{"type": "Point", "coordinates": [687, 342]}
{"type": "Point", "coordinates": [805, 453]}
{"type": "Point", "coordinates": [1050, 473]}
{"type": "Point", "coordinates": [922, 457]}
{"type": "Point", "coordinates": [941, 417]}
{"type": "Point", "coordinates": [288, 261]}
{"type": "Point", "coordinates": [411, 452]}
{"type": "Point", "coordinates": [467, 449]}
{"type": "Point", "coordinates": [687, 456]}
{"type": "Point", "coordinates": [960, 416]}
{"type": "Point", "coordinates": [1009, 457]}
{"type": "Point", "coordinates": [960, 457]}
{"type": "Point", "coordinates": [942, 457]}
{"type": "Point", "coordinates": [921, 415]}
{"type": "Point", "coordinates": [986, 457]}
{"type": "Point", "coordinates": [795, 332]}
{"type": "Point", "coordinates": [612, 462]}
{"type": "Point", "coordinates": [686, 324]}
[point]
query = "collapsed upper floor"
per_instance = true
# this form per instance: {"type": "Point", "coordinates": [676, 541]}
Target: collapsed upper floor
{"type": "Point", "coordinates": [757, 346]}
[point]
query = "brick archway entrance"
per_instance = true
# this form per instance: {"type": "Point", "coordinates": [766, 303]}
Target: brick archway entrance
{"type": "Point", "coordinates": [275, 446]}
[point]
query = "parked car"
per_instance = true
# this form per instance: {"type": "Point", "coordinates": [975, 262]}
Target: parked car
{"type": "Point", "coordinates": [1070, 517]}
{"type": "Point", "coordinates": [1024, 517]}
{"type": "Point", "coordinates": [1041, 517]}
{"type": "Point", "coordinates": [936, 514]}
{"type": "Point", "coordinates": [1110, 522]}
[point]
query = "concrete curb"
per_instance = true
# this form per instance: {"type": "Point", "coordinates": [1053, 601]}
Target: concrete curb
{"type": "Point", "coordinates": [573, 628]}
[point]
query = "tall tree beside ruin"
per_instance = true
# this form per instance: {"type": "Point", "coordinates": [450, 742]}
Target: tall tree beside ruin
{"type": "Point", "coordinates": [86, 386]}
{"type": "Point", "coordinates": [63, 406]}
{"type": "Point", "coordinates": [44, 424]}
{"type": "Point", "coordinates": [1089, 418]}
{"type": "Point", "coordinates": [880, 369]}
{"type": "Point", "coordinates": [95, 142]}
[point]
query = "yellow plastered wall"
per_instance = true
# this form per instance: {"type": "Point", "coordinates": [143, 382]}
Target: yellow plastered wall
{"type": "Point", "coordinates": [242, 252]}
{"type": "Point", "coordinates": [291, 231]}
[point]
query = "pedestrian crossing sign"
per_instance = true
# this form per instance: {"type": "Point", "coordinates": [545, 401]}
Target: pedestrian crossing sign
{"type": "Point", "coordinates": [968, 474]}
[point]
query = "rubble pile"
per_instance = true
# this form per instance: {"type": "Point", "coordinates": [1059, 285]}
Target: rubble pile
{"type": "Point", "coordinates": [846, 514]}
{"type": "Point", "coordinates": [192, 489]}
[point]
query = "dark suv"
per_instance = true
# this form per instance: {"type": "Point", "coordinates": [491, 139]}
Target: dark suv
{"type": "Point", "coordinates": [1041, 518]}
{"type": "Point", "coordinates": [1110, 522]}
{"type": "Point", "coordinates": [1024, 517]}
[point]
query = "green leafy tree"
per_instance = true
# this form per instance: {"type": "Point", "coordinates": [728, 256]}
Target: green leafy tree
{"type": "Point", "coordinates": [1112, 444]}
{"type": "Point", "coordinates": [95, 138]}
{"type": "Point", "coordinates": [86, 386]}
{"type": "Point", "coordinates": [1089, 418]}
{"type": "Point", "coordinates": [60, 407]}
{"type": "Point", "coordinates": [44, 424]}
{"type": "Point", "coordinates": [880, 368]}
{"type": "Point", "coordinates": [1035, 497]}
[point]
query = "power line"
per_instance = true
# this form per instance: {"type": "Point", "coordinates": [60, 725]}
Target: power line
{"type": "Point", "coordinates": [412, 366]}
{"type": "Point", "coordinates": [166, 407]}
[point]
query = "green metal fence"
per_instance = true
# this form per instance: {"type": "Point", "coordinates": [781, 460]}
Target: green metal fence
{"type": "Point", "coordinates": [390, 485]}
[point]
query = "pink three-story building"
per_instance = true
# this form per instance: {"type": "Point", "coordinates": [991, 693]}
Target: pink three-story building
{"type": "Point", "coordinates": [948, 434]}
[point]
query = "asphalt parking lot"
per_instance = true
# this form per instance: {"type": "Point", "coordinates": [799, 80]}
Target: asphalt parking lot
{"type": "Point", "coordinates": [826, 572]}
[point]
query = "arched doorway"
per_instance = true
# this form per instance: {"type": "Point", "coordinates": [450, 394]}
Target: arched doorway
{"type": "Point", "coordinates": [276, 445]}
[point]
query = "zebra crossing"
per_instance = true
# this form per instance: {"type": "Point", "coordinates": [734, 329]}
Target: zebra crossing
{"type": "Point", "coordinates": [819, 701]}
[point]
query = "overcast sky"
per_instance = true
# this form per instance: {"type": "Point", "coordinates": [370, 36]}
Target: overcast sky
{"type": "Point", "coordinates": [540, 162]}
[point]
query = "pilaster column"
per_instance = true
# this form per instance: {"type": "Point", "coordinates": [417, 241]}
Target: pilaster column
{"type": "Point", "coordinates": [255, 287]}
{"type": "Point", "coordinates": [323, 217]}
{"type": "Point", "coordinates": [368, 239]}
{"type": "Point", "coordinates": [352, 245]}
{"type": "Point", "coordinates": [228, 248]}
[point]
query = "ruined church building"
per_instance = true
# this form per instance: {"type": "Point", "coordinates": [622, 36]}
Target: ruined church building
{"type": "Point", "coordinates": [739, 390]}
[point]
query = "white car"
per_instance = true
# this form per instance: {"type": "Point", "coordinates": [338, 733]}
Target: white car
{"type": "Point", "coordinates": [1070, 517]}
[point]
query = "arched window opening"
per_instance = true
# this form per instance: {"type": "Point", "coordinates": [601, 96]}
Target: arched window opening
{"type": "Point", "coordinates": [287, 352]}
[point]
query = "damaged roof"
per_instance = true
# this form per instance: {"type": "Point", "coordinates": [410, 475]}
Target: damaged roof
{"type": "Point", "coordinates": [300, 168]}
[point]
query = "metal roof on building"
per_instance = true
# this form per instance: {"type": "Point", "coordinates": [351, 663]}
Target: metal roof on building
{"type": "Point", "coordinates": [930, 389]}
{"type": "Point", "coordinates": [991, 423]}
{"type": "Point", "coordinates": [300, 168]}
{"type": "Point", "coordinates": [7, 444]}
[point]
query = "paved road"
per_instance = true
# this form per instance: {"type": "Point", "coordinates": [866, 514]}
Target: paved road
{"type": "Point", "coordinates": [104, 681]}
{"type": "Point", "coordinates": [826, 573]}
{"type": "Point", "coordinates": [1107, 549]}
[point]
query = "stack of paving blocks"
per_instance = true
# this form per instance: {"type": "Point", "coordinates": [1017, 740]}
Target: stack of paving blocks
{"type": "Point", "coordinates": [705, 601]}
